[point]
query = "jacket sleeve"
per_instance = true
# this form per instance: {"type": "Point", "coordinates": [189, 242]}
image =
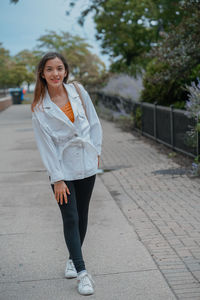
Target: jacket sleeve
{"type": "Point", "coordinates": [47, 151]}
{"type": "Point", "coordinates": [96, 132]}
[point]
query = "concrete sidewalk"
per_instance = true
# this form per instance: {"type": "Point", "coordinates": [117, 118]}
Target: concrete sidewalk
{"type": "Point", "coordinates": [33, 251]}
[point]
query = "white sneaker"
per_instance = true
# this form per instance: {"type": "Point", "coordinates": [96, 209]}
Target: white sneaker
{"type": "Point", "coordinates": [85, 284]}
{"type": "Point", "coordinates": [70, 271]}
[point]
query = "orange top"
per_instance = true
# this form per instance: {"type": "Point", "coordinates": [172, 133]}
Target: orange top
{"type": "Point", "coordinates": [67, 109]}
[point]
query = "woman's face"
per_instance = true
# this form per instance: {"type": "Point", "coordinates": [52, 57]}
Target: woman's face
{"type": "Point", "coordinates": [54, 72]}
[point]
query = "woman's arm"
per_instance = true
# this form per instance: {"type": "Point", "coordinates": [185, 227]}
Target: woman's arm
{"type": "Point", "coordinates": [47, 151]}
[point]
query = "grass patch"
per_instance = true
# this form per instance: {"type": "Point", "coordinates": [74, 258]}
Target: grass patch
{"type": "Point", "coordinates": [125, 122]}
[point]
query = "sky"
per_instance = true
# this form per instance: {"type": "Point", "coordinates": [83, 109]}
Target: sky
{"type": "Point", "coordinates": [23, 23]}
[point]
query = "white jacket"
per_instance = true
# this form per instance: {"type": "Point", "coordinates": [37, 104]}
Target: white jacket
{"type": "Point", "coordinates": [68, 150]}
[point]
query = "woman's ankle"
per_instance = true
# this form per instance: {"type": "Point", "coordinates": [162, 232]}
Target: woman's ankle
{"type": "Point", "coordinates": [82, 272]}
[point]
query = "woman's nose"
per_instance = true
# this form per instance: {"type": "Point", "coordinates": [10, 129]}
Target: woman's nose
{"type": "Point", "coordinates": [55, 72]}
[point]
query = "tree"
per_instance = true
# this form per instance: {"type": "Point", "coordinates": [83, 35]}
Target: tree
{"type": "Point", "coordinates": [180, 49]}
{"type": "Point", "coordinates": [84, 65]}
{"type": "Point", "coordinates": [128, 29]}
{"type": "Point", "coordinates": [28, 59]}
{"type": "Point", "coordinates": [18, 74]}
{"type": "Point", "coordinates": [5, 63]}
{"type": "Point", "coordinates": [18, 69]}
{"type": "Point", "coordinates": [176, 60]}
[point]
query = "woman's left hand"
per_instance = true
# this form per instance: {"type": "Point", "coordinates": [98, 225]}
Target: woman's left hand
{"type": "Point", "coordinates": [98, 160]}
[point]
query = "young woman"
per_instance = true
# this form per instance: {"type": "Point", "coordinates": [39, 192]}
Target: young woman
{"type": "Point", "coordinates": [69, 138]}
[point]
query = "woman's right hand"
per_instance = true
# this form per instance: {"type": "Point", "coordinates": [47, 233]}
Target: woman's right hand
{"type": "Point", "coordinates": [61, 190]}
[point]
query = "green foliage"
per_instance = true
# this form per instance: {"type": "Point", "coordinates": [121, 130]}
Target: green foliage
{"type": "Point", "coordinates": [179, 104]}
{"type": "Point", "coordinates": [28, 59]}
{"type": "Point", "coordinates": [5, 63]}
{"type": "Point", "coordinates": [18, 69]}
{"type": "Point", "coordinates": [18, 74]}
{"type": "Point", "coordinates": [165, 90]}
{"type": "Point", "coordinates": [138, 118]}
{"type": "Point", "coordinates": [154, 91]}
{"type": "Point", "coordinates": [128, 29]}
{"type": "Point", "coordinates": [176, 61]}
{"type": "Point", "coordinates": [84, 66]}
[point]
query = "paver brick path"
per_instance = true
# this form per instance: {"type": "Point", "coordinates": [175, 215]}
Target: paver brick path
{"type": "Point", "coordinates": [162, 207]}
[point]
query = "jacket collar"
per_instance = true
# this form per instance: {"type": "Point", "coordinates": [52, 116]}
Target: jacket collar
{"type": "Point", "coordinates": [52, 109]}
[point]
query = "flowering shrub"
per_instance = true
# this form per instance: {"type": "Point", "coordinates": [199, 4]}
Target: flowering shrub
{"type": "Point", "coordinates": [175, 60]}
{"type": "Point", "coordinates": [192, 107]}
{"type": "Point", "coordinates": [193, 103]}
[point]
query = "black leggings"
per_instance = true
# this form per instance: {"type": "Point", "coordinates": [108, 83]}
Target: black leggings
{"type": "Point", "coordinates": [75, 217]}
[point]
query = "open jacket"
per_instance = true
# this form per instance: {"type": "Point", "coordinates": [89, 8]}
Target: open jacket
{"type": "Point", "coordinates": [68, 150]}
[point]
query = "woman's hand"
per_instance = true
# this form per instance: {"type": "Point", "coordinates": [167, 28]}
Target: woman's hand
{"type": "Point", "coordinates": [98, 160]}
{"type": "Point", "coordinates": [61, 190]}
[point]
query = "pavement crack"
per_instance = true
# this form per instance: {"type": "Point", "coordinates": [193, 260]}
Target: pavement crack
{"type": "Point", "coordinates": [94, 274]}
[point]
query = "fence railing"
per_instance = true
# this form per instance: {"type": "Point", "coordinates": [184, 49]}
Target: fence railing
{"type": "Point", "coordinates": [163, 124]}
{"type": "Point", "coordinates": [168, 126]}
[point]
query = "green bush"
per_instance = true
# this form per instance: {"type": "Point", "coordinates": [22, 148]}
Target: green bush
{"type": "Point", "coordinates": [138, 118]}
{"type": "Point", "coordinates": [165, 90]}
{"type": "Point", "coordinates": [179, 104]}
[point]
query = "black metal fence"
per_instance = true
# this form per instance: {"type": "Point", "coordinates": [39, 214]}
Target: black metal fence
{"type": "Point", "coordinates": [168, 126]}
{"type": "Point", "coordinates": [164, 124]}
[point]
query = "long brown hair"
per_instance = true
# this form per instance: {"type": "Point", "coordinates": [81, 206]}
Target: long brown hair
{"type": "Point", "coordinates": [41, 84]}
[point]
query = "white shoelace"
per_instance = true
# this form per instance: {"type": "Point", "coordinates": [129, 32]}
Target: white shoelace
{"type": "Point", "coordinates": [70, 265]}
{"type": "Point", "coordinates": [87, 280]}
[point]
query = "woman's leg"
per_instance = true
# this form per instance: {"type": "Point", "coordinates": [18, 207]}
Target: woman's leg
{"type": "Point", "coordinates": [83, 189]}
{"type": "Point", "coordinates": [71, 227]}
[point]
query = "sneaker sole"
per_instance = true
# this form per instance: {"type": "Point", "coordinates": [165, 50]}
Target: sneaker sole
{"type": "Point", "coordinates": [70, 277]}
{"type": "Point", "coordinates": [87, 294]}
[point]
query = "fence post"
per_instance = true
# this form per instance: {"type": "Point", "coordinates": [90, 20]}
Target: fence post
{"type": "Point", "coordinates": [155, 120]}
{"type": "Point", "coordinates": [142, 119]}
{"type": "Point", "coordinates": [172, 125]}
{"type": "Point", "coordinates": [134, 115]}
